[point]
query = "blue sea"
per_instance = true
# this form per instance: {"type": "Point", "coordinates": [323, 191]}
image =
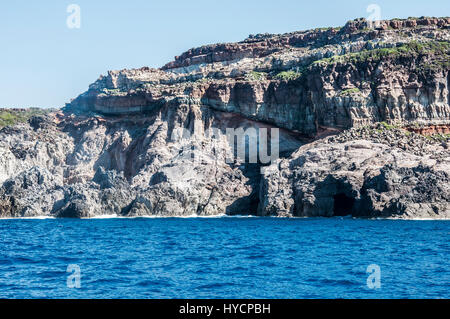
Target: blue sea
{"type": "Point", "coordinates": [224, 258]}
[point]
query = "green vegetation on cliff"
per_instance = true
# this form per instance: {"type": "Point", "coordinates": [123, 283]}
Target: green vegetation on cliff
{"type": "Point", "coordinates": [438, 49]}
{"type": "Point", "coordinates": [350, 91]}
{"type": "Point", "coordinates": [9, 117]}
{"type": "Point", "coordinates": [288, 75]}
{"type": "Point", "coordinates": [256, 76]}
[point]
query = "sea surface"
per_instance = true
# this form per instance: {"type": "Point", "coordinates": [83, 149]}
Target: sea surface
{"type": "Point", "coordinates": [224, 258]}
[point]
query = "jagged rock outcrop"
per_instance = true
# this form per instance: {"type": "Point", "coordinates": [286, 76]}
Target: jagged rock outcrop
{"type": "Point", "coordinates": [368, 172]}
{"type": "Point", "coordinates": [154, 142]}
{"type": "Point", "coordinates": [87, 166]}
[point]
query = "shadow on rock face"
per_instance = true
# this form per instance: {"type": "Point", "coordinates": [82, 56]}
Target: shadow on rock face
{"type": "Point", "coordinates": [343, 205]}
{"type": "Point", "coordinates": [244, 206]}
{"type": "Point", "coordinates": [75, 209]}
{"type": "Point", "coordinates": [332, 197]}
{"type": "Point", "coordinates": [248, 205]}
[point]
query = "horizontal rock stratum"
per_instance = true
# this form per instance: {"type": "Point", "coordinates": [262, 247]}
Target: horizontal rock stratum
{"type": "Point", "coordinates": [117, 150]}
{"type": "Point", "coordinates": [339, 77]}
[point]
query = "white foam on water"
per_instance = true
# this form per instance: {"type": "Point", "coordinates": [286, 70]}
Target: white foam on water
{"type": "Point", "coordinates": [28, 218]}
{"type": "Point", "coordinates": [115, 216]}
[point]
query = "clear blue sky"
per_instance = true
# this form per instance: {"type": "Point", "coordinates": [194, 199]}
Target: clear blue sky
{"type": "Point", "coordinates": [44, 63]}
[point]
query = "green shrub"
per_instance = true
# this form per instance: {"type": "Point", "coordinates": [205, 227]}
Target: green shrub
{"type": "Point", "coordinates": [388, 126]}
{"type": "Point", "coordinates": [441, 137]}
{"type": "Point", "coordinates": [350, 91]}
{"type": "Point", "coordinates": [256, 76]}
{"type": "Point", "coordinates": [288, 75]}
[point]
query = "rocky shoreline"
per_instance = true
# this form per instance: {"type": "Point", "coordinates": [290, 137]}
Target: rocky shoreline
{"type": "Point", "coordinates": [373, 172]}
{"type": "Point", "coordinates": [363, 117]}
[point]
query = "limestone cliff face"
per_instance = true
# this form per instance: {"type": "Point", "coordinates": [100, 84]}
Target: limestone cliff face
{"type": "Point", "coordinates": [300, 81]}
{"type": "Point", "coordinates": [153, 142]}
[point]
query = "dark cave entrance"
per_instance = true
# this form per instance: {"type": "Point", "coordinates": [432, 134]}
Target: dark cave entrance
{"type": "Point", "coordinates": [343, 205]}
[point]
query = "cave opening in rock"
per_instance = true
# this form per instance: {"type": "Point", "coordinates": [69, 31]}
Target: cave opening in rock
{"type": "Point", "coordinates": [343, 205]}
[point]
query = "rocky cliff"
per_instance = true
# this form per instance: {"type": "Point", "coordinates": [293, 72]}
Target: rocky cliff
{"type": "Point", "coordinates": [154, 141]}
{"type": "Point", "coordinates": [300, 81]}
